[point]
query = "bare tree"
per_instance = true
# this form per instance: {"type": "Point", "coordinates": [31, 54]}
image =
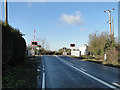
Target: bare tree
{"type": "Point", "coordinates": [44, 43]}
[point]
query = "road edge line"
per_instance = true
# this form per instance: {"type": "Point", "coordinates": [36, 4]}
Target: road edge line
{"type": "Point", "coordinates": [43, 77]}
{"type": "Point", "coordinates": [43, 81]}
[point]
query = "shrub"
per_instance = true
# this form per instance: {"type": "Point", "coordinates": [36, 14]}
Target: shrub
{"type": "Point", "coordinates": [112, 56]}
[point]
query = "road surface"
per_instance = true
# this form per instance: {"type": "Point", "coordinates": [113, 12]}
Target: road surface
{"type": "Point", "coordinates": [68, 72]}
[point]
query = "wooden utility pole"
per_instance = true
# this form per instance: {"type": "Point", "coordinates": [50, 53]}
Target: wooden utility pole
{"type": "Point", "coordinates": [6, 14]}
{"type": "Point", "coordinates": [112, 29]}
{"type": "Point", "coordinates": [110, 20]}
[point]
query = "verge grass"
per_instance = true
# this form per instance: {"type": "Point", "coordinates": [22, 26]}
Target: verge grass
{"type": "Point", "coordinates": [23, 75]}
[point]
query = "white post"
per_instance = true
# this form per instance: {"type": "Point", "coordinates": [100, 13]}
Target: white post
{"type": "Point", "coordinates": [105, 57]}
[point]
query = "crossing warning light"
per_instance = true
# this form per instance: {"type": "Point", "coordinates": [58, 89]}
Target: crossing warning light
{"type": "Point", "coordinates": [72, 45]}
{"type": "Point", "coordinates": [34, 43]}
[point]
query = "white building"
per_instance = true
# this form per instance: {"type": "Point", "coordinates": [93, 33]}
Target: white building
{"type": "Point", "coordinates": [84, 49]}
{"type": "Point", "coordinates": [75, 53]}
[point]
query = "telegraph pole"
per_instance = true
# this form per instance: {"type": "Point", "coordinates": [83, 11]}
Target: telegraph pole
{"type": "Point", "coordinates": [6, 14]}
{"type": "Point", "coordinates": [110, 20]}
{"type": "Point", "coordinates": [112, 29]}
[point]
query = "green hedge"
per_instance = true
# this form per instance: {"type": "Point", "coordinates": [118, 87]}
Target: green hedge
{"type": "Point", "coordinates": [13, 46]}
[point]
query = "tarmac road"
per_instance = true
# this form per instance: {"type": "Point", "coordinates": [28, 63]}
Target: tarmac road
{"type": "Point", "coordinates": [68, 72]}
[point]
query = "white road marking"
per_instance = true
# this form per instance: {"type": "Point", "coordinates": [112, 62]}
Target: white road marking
{"type": "Point", "coordinates": [67, 62]}
{"type": "Point", "coordinates": [43, 81]}
{"type": "Point", "coordinates": [38, 76]}
{"type": "Point", "coordinates": [38, 70]}
{"type": "Point", "coordinates": [93, 77]}
{"type": "Point", "coordinates": [83, 69]}
{"type": "Point", "coordinates": [116, 84]}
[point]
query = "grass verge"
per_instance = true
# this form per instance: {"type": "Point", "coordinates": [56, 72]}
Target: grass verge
{"type": "Point", "coordinates": [23, 75]}
{"type": "Point", "coordinates": [93, 60]}
{"type": "Point", "coordinates": [98, 62]}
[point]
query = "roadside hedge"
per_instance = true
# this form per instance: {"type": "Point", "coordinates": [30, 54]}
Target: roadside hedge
{"type": "Point", "coordinates": [13, 46]}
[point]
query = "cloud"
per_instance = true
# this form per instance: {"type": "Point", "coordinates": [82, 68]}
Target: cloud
{"type": "Point", "coordinates": [72, 19]}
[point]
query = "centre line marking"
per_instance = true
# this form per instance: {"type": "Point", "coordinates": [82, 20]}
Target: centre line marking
{"type": "Point", "coordinates": [93, 77]}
